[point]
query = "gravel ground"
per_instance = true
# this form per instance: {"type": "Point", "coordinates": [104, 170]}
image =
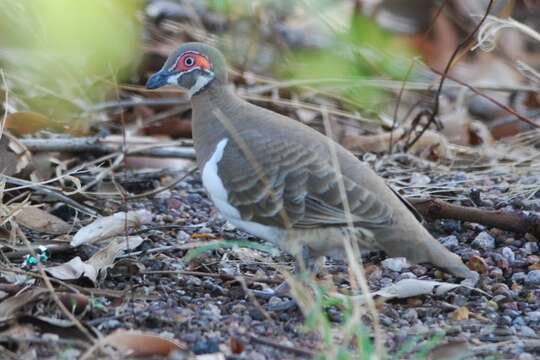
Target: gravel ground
{"type": "Point", "coordinates": [211, 314]}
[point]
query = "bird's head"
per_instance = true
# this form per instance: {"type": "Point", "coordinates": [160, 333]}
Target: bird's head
{"type": "Point", "coordinates": [193, 67]}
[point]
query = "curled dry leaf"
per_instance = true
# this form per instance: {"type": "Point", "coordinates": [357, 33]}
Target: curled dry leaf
{"type": "Point", "coordinates": [104, 258]}
{"type": "Point", "coordinates": [138, 343]}
{"type": "Point", "coordinates": [98, 263]}
{"type": "Point", "coordinates": [36, 219]}
{"type": "Point", "coordinates": [10, 306]}
{"type": "Point", "coordinates": [73, 269]}
{"type": "Point", "coordinates": [109, 226]}
{"type": "Point", "coordinates": [74, 302]}
{"type": "Point", "coordinates": [411, 287]}
{"type": "Point", "coordinates": [461, 313]}
{"type": "Point", "coordinates": [14, 156]}
{"type": "Point", "coordinates": [26, 122]}
{"type": "Point", "coordinates": [430, 146]}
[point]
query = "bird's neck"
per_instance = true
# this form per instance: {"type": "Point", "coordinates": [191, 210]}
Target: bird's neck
{"type": "Point", "coordinates": [214, 109]}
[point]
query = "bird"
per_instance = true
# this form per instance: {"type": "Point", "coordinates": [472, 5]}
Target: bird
{"type": "Point", "coordinates": [287, 183]}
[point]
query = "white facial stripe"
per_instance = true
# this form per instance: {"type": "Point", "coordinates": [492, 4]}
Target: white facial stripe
{"type": "Point", "coordinates": [201, 82]}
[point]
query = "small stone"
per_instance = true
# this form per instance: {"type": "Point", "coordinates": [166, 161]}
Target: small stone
{"type": "Point", "coordinates": [395, 264]}
{"type": "Point", "coordinates": [478, 264]}
{"type": "Point", "coordinates": [526, 356]}
{"type": "Point", "coordinates": [410, 315]}
{"type": "Point", "coordinates": [530, 248]}
{"type": "Point", "coordinates": [519, 277]}
{"type": "Point", "coordinates": [203, 346]}
{"type": "Point", "coordinates": [484, 241]}
{"type": "Point", "coordinates": [182, 236]}
{"type": "Point", "coordinates": [451, 242]}
{"type": "Point", "coordinates": [533, 278]}
{"type": "Point", "coordinates": [508, 254]}
{"type": "Point", "coordinates": [193, 281]}
{"type": "Point", "coordinates": [407, 275]}
{"type": "Point", "coordinates": [527, 331]}
{"type": "Point", "coordinates": [274, 301]}
{"type": "Point", "coordinates": [496, 273]}
{"type": "Point", "coordinates": [534, 317]}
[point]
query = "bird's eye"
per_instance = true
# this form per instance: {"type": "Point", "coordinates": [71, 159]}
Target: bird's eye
{"type": "Point", "coordinates": [189, 61]}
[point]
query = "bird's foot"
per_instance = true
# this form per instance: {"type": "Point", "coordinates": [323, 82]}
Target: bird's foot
{"type": "Point", "coordinates": [275, 303]}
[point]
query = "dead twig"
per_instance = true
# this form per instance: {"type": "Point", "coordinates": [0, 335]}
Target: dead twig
{"type": "Point", "coordinates": [98, 146]}
{"type": "Point", "coordinates": [282, 347]}
{"type": "Point", "coordinates": [518, 222]}
{"type": "Point", "coordinates": [435, 111]}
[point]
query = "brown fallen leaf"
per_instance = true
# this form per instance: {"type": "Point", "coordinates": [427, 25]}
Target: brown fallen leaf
{"type": "Point", "coordinates": [461, 313]}
{"type": "Point", "coordinates": [97, 264]}
{"type": "Point", "coordinates": [14, 156]}
{"type": "Point", "coordinates": [9, 306]}
{"type": "Point", "coordinates": [39, 220]}
{"type": "Point", "coordinates": [74, 302]}
{"type": "Point", "coordinates": [456, 349]}
{"type": "Point", "coordinates": [109, 226]}
{"type": "Point", "coordinates": [104, 258]}
{"type": "Point", "coordinates": [26, 122]}
{"type": "Point", "coordinates": [138, 343]}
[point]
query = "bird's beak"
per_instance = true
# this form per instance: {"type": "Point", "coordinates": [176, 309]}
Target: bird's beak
{"type": "Point", "coordinates": [158, 80]}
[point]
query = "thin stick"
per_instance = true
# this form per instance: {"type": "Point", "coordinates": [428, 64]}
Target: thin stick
{"type": "Point", "coordinates": [294, 350]}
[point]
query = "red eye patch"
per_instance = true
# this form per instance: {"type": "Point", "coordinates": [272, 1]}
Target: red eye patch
{"type": "Point", "coordinates": [191, 60]}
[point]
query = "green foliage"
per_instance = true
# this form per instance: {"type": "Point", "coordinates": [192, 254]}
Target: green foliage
{"type": "Point", "coordinates": [63, 55]}
{"type": "Point", "coordinates": [364, 51]}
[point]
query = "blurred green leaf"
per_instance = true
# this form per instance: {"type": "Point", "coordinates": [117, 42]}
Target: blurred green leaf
{"type": "Point", "coordinates": [73, 51]}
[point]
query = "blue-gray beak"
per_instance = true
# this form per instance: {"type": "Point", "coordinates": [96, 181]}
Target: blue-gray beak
{"type": "Point", "coordinates": [158, 80]}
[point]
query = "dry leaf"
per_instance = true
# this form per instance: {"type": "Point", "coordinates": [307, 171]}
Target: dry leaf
{"type": "Point", "coordinates": [107, 227]}
{"type": "Point", "coordinates": [38, 220]}
{"type": "Point", "coordinates": [138, 343]}
{"type": "Point", "coordinates": [99, 262]}
{"type": "Point", "coordinates": [104, 258]}
{"type": "Point", "coordinates": [14, 156]}
{"type": "Point", "coordinates": [26, 122]}
{"type": "Point", "coordinates": [73, 269]}
{"type": "Point", "coordinates": [456, 349]}
{"type": "Point", "coordinates": [9, 306]}
{"type": "Point", "coordinates": [461, 313]}
{"type": "Point", "coordinates": [411, 287]}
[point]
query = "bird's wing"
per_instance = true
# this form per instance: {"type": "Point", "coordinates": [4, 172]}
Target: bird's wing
{"type": "Point", "coordinates": [292, 185]}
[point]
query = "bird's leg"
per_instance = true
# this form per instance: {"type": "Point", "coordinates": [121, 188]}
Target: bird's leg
{"type": "Point", "coordinates": [305, 262]}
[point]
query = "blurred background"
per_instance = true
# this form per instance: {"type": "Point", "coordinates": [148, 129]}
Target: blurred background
{"type": "Point", "coordinates": [81, 138]}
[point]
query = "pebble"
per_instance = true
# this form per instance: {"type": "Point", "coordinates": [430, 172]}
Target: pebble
{"type": "Point", "coordinates": [519, 277]}
{"type": "Point", "coordinates": [407, 275]}
{"type": "Point", "coordinates": [451, 242]}
{"type": "Point", "coordinates": [534, 317]}
{"type": "Point", "coordinates": [526, 356]}
{"type": "Point", "coordinates": [193, 281]}
{"type": "Point", "coordinates": [531, 248]}
{"type": "Point", "coordinates": [395, 264]}
{"type": "Point", "coordinates": [527, 331]}
{"type": "Point", "coordinates": [484, 241]}
{"type": "Point", "coordinates": [533, 278]}
{"type": "Point", "coordinates": [508, 254]}
{"type": "Point", "coordinates": [203, 346]}
{"type": "Point", "coordinates": [182, 236]}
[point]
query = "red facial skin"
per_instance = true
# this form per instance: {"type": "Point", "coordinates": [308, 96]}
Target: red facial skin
{"type": "Point", "coordinates": [191, 60]}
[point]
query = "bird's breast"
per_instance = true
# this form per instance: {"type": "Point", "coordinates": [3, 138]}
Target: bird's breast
{"type": "Point", "coordinates": [219, 195]}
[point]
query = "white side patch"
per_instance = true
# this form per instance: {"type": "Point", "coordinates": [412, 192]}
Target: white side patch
{"type": "Point", "coordinates": [219, 196]}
